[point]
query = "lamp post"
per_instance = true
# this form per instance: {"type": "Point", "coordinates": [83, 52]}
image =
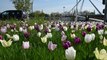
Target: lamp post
{"type": "Point", "coordinates": [31, 2]}
{"type": "Point", "coordinates": [63, 15]}
{"type": "Point", "coordinates": [105, 12]}
{"type": "Point", "coordinates": [63, 9]}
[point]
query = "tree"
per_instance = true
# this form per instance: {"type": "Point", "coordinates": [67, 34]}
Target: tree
{"type": "Point", "coordinates": [86, 12]}
{"type": "Point", "coordinates": [24, 5]}
{"type": "Point", "coordinates": [39, 15]}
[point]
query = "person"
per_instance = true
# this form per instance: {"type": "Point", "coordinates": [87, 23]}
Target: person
{"type": "Point", "coordinates": [87, 18]}
{"type": "Point", "coordinates": [24, 16]}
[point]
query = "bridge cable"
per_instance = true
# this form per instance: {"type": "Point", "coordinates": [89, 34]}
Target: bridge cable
{"type": "Point", "coordinates": [75, 5]}
{"type": "Point", "coordinates": [95, 7]}
{"type": "Point", "coordinates": [81, 6]}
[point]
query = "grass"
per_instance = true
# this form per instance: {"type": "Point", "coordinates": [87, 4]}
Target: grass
{"type": "Point", "coordinates": [39, 51]}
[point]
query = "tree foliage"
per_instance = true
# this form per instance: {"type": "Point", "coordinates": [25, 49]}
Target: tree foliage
{"type": "Point", "coordinates": [24, 5]}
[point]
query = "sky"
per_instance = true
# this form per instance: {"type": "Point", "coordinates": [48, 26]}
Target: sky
{"type": "Point", "coordinates": [49, 6]}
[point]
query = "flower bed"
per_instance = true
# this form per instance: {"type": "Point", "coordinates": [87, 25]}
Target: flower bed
{"type": "Point", "coordinates": [53, 41]}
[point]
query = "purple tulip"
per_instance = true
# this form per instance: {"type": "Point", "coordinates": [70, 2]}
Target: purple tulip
{"type": "Point", "coordinates": [83, 34]}
{"type": "Point", "coordinates": [37, 27]}
{"type": "Point", "coordinates": [89, 28]}
{"type": "Point", "coordinates": [26, 34]}
{"type": "Point", "coordinates": [66, 44]}
{"type": "Point", "coordinates": [102, 26]}
{"type": "Point", "coordinates": [99, 26]}
{"type": "Point", "coordinates": [46, 30]}
{"type": "Point", "coordinates": [12, 26]}
{"type": "Point", "coordinates": [60, 27]}
{"type": "Point", "coordinates": [77, 40]}
{"type": "Point", "coordinates": [80, 25]}
{"type": "Point", "coordinates": [74, 26]}
{"type": "Point", "coordinates": [53, 25]}
{"type": "Point", "coordinates": [1, 37]}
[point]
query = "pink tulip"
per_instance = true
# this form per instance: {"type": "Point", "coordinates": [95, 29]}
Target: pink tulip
{"type": "Point", "coordinates": [51, 46]}
{"type": "Point", "coordinates": [63, 38]}
{"type": "Point", "coordinates": [1, 37]}
{"type": "Point", "coordinates": [26, 45]}
{"type": "Point", "coordinates": [3, 29]}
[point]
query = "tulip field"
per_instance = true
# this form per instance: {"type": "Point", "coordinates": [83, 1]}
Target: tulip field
{"type": "Point", "coordinates": [52, 40]}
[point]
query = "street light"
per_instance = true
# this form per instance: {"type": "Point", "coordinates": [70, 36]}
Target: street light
{"type": "Point", "coordinates": [31, 2]}
{"type": "Point", "coordinates": [63, 9]}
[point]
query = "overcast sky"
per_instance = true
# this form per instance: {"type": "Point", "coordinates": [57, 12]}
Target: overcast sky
{"type": "Point", "coordinates": [49, 6]}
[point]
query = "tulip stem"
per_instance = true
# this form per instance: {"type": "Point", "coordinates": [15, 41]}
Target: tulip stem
{"type": "Point", "coordinates": [103, 32]}
{"type": "Point", "coordinates": [87, 56]}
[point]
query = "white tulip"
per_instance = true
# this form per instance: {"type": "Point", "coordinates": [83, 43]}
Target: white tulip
{"type": "Point", "coordinates": [100, 32]}
{"type": "Point", "coordinates": [16, 37]}
{"type": "Point", "coordinates": [101, 37]}
{"type": "Point", "coordinates": [76, 27]}
{"type": "Point", "coordinates": [56, 28]}
{"type": "Point", "coordinates": [100, 55]}
{"type": "Point", "coordinates": [26, 24]}
{"type": "Point", "coordinates": [12, 30]}
{"type": "Point", "coordinates": [44, 39]}
{"type": "Point", "coordinates": [62, 23]}
{"type": "Point", "coordinates": [49, 30]}
{"type": "Point", "coordinates": [105, 32]}
{"type": "Point", "coordinates": [6, 43]}
{"type": "Point", "coordinates": [70, 53]}
{"type": "Point", "coordinates": [49, 35]}
{"type": "Point", "coordinates": [73, 35]}
{"type": "Point", "coordinates": [105, 41]}
{"type": "Point", "coordinates": [88, 38]}
{"type": "Point", "coordinates": [93, 36]}
{"type": "Point", "coordinates": [83, 27]}
{"type": "Point", "coordinates": [72, 27]}
{"type": "Point", "coordinates": [24, 30]}
{"type": "Point", "coordinates": [31, 27]}
{"type": "Point", "coordinates": [35, 23]}
{"type": "Point", "coordinates": [49, 26]}
{"type": "Point", "coordinates": [20, 29]}
{"type": "Point", "coordinates": [86, 26]}
{"type": "Point", "coordinates": [8, 26]}
{"type": "Point", "coordinates": [41, 27]}
{"type": "Point", "coordinates": [39, 34]}
{"type": "Point", "coordinates": [65, 28]}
